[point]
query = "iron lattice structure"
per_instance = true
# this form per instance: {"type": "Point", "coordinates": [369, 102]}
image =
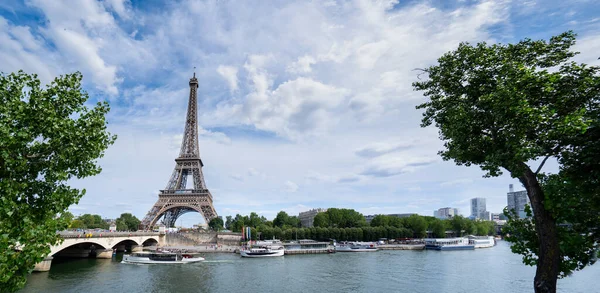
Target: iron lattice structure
{"type": "Point", "coordinates": [176, 200]}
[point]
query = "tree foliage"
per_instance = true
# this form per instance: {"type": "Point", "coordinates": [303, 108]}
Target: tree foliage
{"type": "Point", "coordinates": [503, 106]}
{"type": "Point", "coordinates": [130, 222]}
{"type": "Point", "coordinates": [418, 225]}
{"type": "Point", "coordinates": [93, 221]}
{"type": "Point", "coordinates": [47, 137]}
{"type": "Point", "coordinates": [438, 228]}
{"type": "Point", "coordinates": [340, 218]}
{"type": "Point", "coordinates": [216, 224]}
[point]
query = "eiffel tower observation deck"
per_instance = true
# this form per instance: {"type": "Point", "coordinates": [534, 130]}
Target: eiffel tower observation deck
{"type": "Point", "coordinates": [177, 198]}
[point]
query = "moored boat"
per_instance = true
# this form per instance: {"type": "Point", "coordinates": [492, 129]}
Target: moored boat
{"type": "Point", "coordinates": [355, 247]}
{"type": "Point", "coordinates": [482, 241]}
{"type": "Point", "coordinates": [265, 251]}
{"type": "Point", "coordinates": [448, 244]}
{"type": "Point", "coordinates": [161, 258]}
{"type": "Point", "coordinates": [264, 248]}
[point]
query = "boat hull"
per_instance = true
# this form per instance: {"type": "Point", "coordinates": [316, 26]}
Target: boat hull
{"type": "Point", "coordinates": [449, 247]}
{"type": "Point", "coordinates": [341, 249]}
{"type": "Point", "coordinates": [142, 260]}
{"type": "Point", "coordinates": [274, 253]}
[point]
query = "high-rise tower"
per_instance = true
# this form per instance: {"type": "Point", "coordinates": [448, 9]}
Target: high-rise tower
{"type": "Point", "coordinates": [177, 198]}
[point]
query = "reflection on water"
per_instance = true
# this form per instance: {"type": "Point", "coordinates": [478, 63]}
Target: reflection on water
{"type": "Point", "coordinates": [486, 270]}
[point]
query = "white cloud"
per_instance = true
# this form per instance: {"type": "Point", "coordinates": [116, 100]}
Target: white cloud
{"type": "Point", "coordinates": [381, 148]}
{"type": "Point", "coordinates": [291, 186]}
{"type": "Point", "coordinates": [302, 65]}
{"type": "Point", "coordinates": [229, 73]}
{"type": "Point", "coordinates": [391, 166]}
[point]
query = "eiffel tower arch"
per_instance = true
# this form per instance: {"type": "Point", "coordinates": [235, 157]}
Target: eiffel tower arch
{"type": "Point", "coordinates": [176, 199]}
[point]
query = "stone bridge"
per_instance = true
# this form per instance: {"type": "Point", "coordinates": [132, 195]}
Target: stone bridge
{"type": "Point", "coordinates": [98, 244]}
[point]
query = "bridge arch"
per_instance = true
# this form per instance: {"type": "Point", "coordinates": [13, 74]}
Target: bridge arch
{"type": "Point", "coordinates": [83, 243]}
{"type": "Point", "coordinates": [150, 242]}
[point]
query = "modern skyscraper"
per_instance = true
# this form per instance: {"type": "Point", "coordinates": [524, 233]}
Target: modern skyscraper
{"type": "Point", "coordinates": [478, 208]}
{"type": "Point", "coordinates": [516, 200]}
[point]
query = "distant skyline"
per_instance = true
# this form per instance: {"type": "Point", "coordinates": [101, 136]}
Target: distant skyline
{"type": "Point", "coordinates": [302, 104]}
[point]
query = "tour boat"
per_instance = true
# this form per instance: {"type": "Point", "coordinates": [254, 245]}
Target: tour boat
{"type": "Point", "coordinates": [263, 251]}
{"type": "Point", "coordinates": [449, 244]}
{"type": "Point", "coordinates": [355, 247]}
{"type": "Point", "coordinates": [264, 248]}
{"type": "Point", "coordinates": [161, 258]}
{"type": "Point", "coordinates": [482, 241]}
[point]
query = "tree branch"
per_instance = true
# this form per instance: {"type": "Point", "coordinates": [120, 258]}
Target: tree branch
{"type": "Point", "coordinates": [423, 70]}
{"type": "Point", "coordinates": [550, 153]}
{"type": "Point", "coordinates": [541, 165]}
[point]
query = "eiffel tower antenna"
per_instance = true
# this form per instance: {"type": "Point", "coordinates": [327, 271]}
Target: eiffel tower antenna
{"type": "Point", "coordinates": [178, 198]}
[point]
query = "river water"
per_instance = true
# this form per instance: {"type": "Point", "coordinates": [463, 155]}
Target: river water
{"type": "Point", "coordinates": [483, 270]}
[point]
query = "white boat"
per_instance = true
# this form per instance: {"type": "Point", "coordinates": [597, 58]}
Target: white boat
{"type": "Point", "coordinates": [265, 251]}
{"type": "Point", "coordinates": [161, 258]}
{"type": "Point", "coordinates": [355, 247]}
{"type": "Point", "coordinates": [460, 243]}
{"type": "Point", "coordinates": [482, 241]}
{"type": "Point", "coordinates": [264, 248]}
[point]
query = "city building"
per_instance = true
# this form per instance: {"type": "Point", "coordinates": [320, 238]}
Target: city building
{"type": "Point", "coordinates": [495, 217]}
{"type": "Point", "coordinates": [487, 216]}
{"type": "Point", "coordinates": [478, 209]}
{"type": "Point", "coordinates": [517, 200]}
{"type": "Point", "coordinates": [307, 218]}
{"type": "Point", "coordinates": [445, 213]}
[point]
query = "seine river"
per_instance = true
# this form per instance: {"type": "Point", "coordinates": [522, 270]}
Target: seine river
{"type": "Point", "coordinates": [484, 270]}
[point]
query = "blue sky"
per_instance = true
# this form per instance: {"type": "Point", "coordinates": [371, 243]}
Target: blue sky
{"type": "Point", "coordinates": [302, 104]}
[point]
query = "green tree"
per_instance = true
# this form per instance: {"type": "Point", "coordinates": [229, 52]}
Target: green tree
{"type": "Point", "coordinates": [380, 220]}
{"type": "Point", "coordinates": [216, 224]}
{"type": "Point", "coordinates": [67, 217]}
{"type": "Point", "coordinates": [47, 137]}
{"type": "Point", "coordinates": [502, 106]}
{"type": "Point", "coordinates": [321, 220]}
{"type": "Point", "coordinates": [93, 221]}
{"type": "Point", "coordinates": [131, 222]}
{"type": "Point", "coordinates": [228, 222]}
{"type": "Point", "coordinates": [293, 222]}
{"type": "Point", "coordinates": [458, 224]}
{"type": "Point", "coordinates": [438, 228]}
{"type": "Point", "coordinates": [418, 225]}
{"type": "Point", "coordinates": [121, 225]}
{"type": "Point", "coordinates": [77, 224]}
{"type": "Point", "coordinates": [281, 219]}
{"type": "Point", "coordinates": [254, 220]}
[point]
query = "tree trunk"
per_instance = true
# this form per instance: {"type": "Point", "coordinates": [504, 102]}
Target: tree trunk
{"type": "Point", "coordinates": [549, 252]}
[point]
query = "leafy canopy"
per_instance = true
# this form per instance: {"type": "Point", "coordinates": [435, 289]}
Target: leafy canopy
{"type": "Point", "coordinates": [47, 136]}
{"type": "Point", "coordinates": [127, 222]}
{"type": "Point", "coordinates": [504, 106]}
{"type": "Point", "coordinates": [216, 224]}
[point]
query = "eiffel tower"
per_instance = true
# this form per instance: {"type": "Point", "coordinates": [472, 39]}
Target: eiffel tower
{"type": "Point", "coordinates": [176, 200]}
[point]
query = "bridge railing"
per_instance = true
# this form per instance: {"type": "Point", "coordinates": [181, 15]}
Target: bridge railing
{"type": "Point", "coordinates": [98, 234]}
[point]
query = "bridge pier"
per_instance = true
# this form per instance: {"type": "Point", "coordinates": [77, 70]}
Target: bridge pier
{"type": "Point", "coordinates": [136, 248]}
{"type": "Point", "coordinates": [104, 253]}
{"type": "Point", "coordinates": [44, 265]}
